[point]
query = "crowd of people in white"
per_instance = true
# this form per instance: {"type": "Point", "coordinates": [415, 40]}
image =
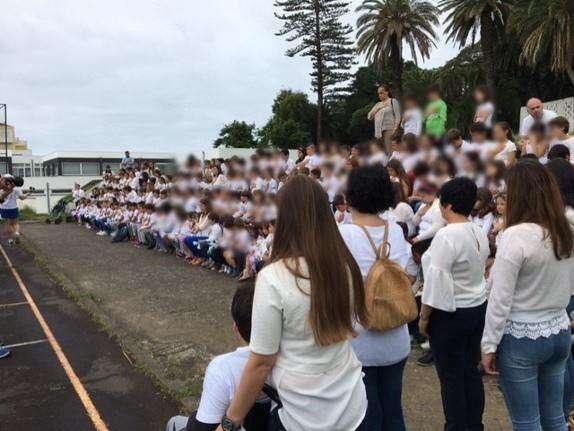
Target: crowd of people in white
{"type": "Point", "coordinates": [488, 215]}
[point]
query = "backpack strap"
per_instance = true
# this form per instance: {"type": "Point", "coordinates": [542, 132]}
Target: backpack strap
{"type": "Point", "coordinates": [384, 250]}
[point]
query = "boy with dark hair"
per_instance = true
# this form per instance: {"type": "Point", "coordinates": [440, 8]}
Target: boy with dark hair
{"type": "Point", "coordinates": [223, 375]}
{"type": "Point", "coordinates": [559, 151]}
{"type": "Point", "coordinates": [558, 129]}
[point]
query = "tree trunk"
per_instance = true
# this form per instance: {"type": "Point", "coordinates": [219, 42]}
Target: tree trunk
{"type": "Point", "coordinates": [397, 68]}
{"type": "Point", "coordinates": [570, 73]}
{"type": "Point", "coordinates": [320, 81]}
{"type": "Point", "coordinates": [488, 48]}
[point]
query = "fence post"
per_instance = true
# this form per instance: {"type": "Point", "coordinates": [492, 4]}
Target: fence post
{"type": "Point", "coordinates": [48, 197]}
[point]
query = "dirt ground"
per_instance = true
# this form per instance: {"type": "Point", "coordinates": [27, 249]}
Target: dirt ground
{"type": "Point", "coordinates": [173, 318]}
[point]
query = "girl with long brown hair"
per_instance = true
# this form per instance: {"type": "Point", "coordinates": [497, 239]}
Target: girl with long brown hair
{"type": "Point", "coordinates": [527, 330]}
{"type": "Point", "coordinates": [307, 301]}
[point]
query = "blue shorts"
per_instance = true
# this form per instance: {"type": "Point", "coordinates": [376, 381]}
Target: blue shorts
{"type": "Point", "coordinates": [9, 214]}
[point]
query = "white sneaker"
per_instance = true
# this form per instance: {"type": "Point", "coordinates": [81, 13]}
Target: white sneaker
{"type": "Point", "coordinates": [102, 233]}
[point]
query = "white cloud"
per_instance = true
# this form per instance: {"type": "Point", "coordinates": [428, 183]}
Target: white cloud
{"type": "Point", "coordinates": [142, 74]}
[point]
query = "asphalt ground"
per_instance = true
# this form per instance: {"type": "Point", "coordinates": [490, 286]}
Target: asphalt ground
{"type": "Point", "coordinates": [36, 393]}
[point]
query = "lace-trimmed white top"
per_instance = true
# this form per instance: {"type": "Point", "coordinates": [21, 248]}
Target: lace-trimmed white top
{"type": "Point", "coordinates": [530, 288]}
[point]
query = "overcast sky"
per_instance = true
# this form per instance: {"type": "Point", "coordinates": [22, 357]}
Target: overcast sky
{"type": "Point", "coordinates": [146, 75]}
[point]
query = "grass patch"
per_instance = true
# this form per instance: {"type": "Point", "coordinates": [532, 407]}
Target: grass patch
{"type": "Point", "coordinates": [29, 214]}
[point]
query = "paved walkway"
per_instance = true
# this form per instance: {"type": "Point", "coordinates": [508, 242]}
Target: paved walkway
{"type": "Point", "coordinates": [173, 318]}
{"type": "Point", "coordinates": [37, 393]}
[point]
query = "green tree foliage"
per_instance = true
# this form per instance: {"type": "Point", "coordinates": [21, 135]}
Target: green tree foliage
{"type": "Point", "coordinates": [385, 25]}
{"type": "Point", "coordinates": [466, 19]}
{"type": "Point", "coordinates": [293, 122]}
{"type": "Point", "coordinates": [321, 35]}
{"type": "Point", "coordinates": [238, 134]}
{"type": "Point", "coordinates": [546, 32]}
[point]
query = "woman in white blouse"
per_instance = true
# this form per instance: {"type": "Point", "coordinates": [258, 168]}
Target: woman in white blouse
{"type": "Point", "coordinates": [526, 336]}
{"type": "Point", "coordinates": [454, 305]}
{"type": "Point", "coordinates": [306, 303]}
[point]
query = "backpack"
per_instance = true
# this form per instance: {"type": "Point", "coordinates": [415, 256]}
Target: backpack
{"type": "Point", "coordinates": [389, 298]}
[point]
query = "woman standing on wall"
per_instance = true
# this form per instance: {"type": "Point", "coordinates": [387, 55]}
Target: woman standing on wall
{"type": "Point", "coordinates": [386, 115]}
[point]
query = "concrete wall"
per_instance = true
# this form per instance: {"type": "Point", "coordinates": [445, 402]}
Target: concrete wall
{"type": "Point", "coordinates": [58, 187]}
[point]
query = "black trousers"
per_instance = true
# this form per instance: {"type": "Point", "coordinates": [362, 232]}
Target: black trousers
{"type": "Point", "coordinates": [455, 343]}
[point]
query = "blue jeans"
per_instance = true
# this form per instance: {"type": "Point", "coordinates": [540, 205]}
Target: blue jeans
{"type": "Point", "coordinates": [532, 380]}
{"type": "Point", "coordinates": [384, 387]}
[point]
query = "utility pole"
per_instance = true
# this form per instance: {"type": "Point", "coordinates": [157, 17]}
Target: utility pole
{"type": "Point", "coordinates": [5, 108]}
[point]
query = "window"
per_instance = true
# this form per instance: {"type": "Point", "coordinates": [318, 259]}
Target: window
{"type": "Point", "coordinates": [71, 168]}
{"type": "Point", "coordinates": [37, 170]}
{"type": "Point", "coordinates": [3, 169]}
{"type": "Point", "coordinates": [18, 169]}
{"type": "Point", "coordinates": [91, 169]}
{"type": "Point", "coordinates": [21, 170]}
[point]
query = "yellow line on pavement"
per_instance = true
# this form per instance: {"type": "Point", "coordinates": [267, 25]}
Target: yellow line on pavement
{"type": "Point", "coordinates": [72, 376]}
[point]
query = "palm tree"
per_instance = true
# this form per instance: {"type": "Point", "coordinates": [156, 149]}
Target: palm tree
{"type": "Point", "coordinates": [383, 27]}
{"type": "Point", "coordinates": [546, 32]}
{"type": "Point", "coordinates": [467, 17]}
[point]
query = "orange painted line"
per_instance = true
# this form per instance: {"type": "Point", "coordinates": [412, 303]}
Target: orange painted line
{"type": "Point", "coordinates": [72, 376]}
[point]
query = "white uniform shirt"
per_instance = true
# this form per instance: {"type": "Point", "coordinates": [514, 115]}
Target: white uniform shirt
{"type": "Point", "coordinates": [453, 268]}
{"type": "Point", "coordinates": [321, 387]}
{"type": "Point", "coordinates": [221, 380]}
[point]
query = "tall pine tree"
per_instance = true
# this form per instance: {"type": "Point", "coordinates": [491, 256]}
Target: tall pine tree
{"type": "Point", "coordinates": [317, 27]}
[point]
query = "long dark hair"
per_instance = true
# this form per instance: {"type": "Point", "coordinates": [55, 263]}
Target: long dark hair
{"type": "Point", "coordinates": [306, 229]}
{"type": "Point", "coordinates": [532, 198]}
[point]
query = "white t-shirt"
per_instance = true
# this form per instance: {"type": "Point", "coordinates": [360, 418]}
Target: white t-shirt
{"type": "Point", "coordinates": [376, 348]}
{"type": "Point", "coordinates": [321, 387]}
{"type": "Point", "coordinates": [222, 378]}
{"type": "Point", "coordinates": [453, 268]}
{"type": "Point", "coordinates": [528, 121]}
{"type": "Point", "coordinates": [343, 217]}
{"type": "Point", "coordinates": [413, 121]}
{"type": "Point", "coordinates": [11, 200]}
{"type": "Point", "coordinates": [487, 107]}
{"type": "Point", "coordinates": [313, 161]}
{"type": "Point", "coordinates": [509, 147]}
{"type": "Point", "coordinates": [404, 213]}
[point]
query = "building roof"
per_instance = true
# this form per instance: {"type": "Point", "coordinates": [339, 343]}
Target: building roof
{"type": "Point", "coordinates": [80, 154]}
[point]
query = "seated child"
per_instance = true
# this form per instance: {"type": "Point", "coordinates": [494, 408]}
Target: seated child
{"type": "Point", "coordinates": [223, 375]}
